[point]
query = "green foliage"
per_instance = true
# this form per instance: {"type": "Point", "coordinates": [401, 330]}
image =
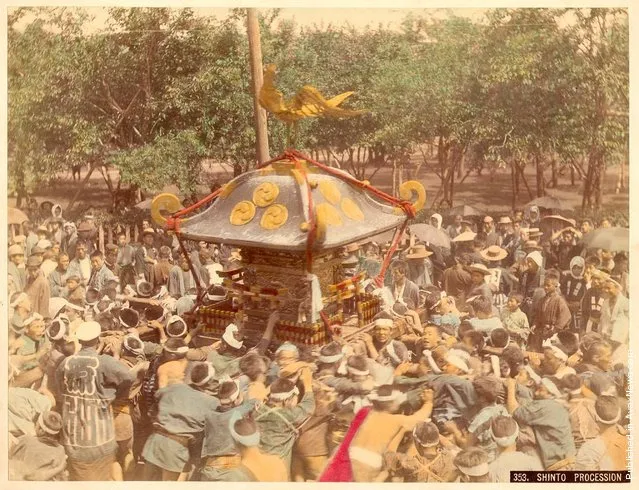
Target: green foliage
{"type": "Point", "coordinates": [174, 158]}
{"type": "Point", "coordinates": [160, 88]}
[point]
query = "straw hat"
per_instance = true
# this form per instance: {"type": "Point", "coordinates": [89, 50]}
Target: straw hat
{"type": "Point", "coordinates": [531, 245]}
{"type": "Point", "coordinates": [467, 236]}
{"type": "Point", "coordinates": [351, 247]}
{"type": "Point", "coordinates": [351, 260]}
{"type": "Point", "coordinates": [419, 251]}
{"type": "Point", "coordinates": [481, 268]}
{"type": "Point", "coordinates": [505, 220]}
{"type": "Point", "coordinates": [15, 250]}
{"type": "Point", "coordinates": [494, 253]}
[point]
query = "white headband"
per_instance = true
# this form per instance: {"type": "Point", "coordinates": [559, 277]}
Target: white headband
{"type": "Point", "coordinates": [250, 440]}
{"type": "Point", "coordinates": [330, 359]}
{"type": "Point", "coordinates": [180, 350]}
{"type": "Point", "coordinates": [32, 318]}
{"type": "Point", "coordinates": [505, 441]}
{"type": "Point", "coordinates": [21, 297]}
{"type": "Point", "coordinates": [285, 395]}
{"type": "Point", "coordinates": [421, 443]}
{"type": "Point", "coordinates": [551, 387]}
{"type": "Point", "coordinates": [575, 392]}
{"type": "Point", "coordinates": [556, 350]}
{"type": "Point", "coordinates": [356, 371]}
{"type": "Point", "coordinates": [394, 395]}
{"type": "Point", "coordinates": [230, 339]}
{"type": "Point", "coordinates": [233, 396]}
{"type": "Point", "coordinates": [479, 470]}
{"type": "Point", "coordinates": [457, 361]}
{"type": "Point", "coordinates": [174, 319]}
{"type": "Point", "coordinates": [431, 362]}
{"type": "Point", "coordinates": [608, 422]}
{"type": "Point", "coordinates": [209, 375]}
{"type": "Point", "coordinates": [44, 427]}
{"type": "Point", "coordinates": [61, 331]}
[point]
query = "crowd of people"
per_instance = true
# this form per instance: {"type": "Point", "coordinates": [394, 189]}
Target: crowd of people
{"type": "Point", "coordinates": [506, 351]}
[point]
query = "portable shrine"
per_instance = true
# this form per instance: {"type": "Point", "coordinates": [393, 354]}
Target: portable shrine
{"type": "Point", "coordinates": [291, 219]}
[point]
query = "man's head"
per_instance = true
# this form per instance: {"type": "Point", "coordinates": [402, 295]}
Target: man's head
{"type": "Point", "coordinates": [426, 437]}
{"type": "Point", "coordinates": [586, 226]}
{"type": "Point", "coordinates": [431, 336]}
{"type": "Point", "coordinates": [534, 261]}
{"type": "Point", "coordinates": [387, 399]}
{"type": "Point", "coordinates": [34, 326]}
{"type": "Point", "coordinates": [229, 394]}
{"type": "Point", "coordinates": [605, 223]}
{"type": "Point", "coordinates": [399, 269]}
{"type": "Point", "coordinates": [33, 266]}
{"type": "Point", "coordinates": [81, 249]}
{"type": "Point", "coordinates": [488, 389]}
{"type": "Point", "coordinates": [97, 260]}
{"type": "Point", "coordinates": [489, 224]}
{"type": "Point", "coordinates": [283, 392]}
{"type": "Point", "coordinates": [21, 301]}
{"type": "Point", "coordinates": [504, 430]}
{"type": "Point", "coordinates": [148, 236]}
{"type": "Point", "coordinates": [184, 263]}
{"type": "Point", "coordinates": [253, 366]}
{"type": "Point", "coordinates": [63, 262]}
{"type": "Point", "coordinates": [551, 284]}
{"type": "Point", "coordinates": [599, 353]}
{"type": "Point", "coordinates": [607, 411]}
{"type": "Point", "coordinates": [357, 368]}
{"type": "Point", "coordinates": [458, 219]}
{"type": "Point", "coordinates": [472, 463]}
{"type": "Point", "coordinates": [16, 254]}
{"type": "Point", "coordinates": [111, 253]}
{"type": "Point", "coordinates": [121, 239]}
{"type": "Point", "coordinates": [286, 354]}
{"type": "Point", "coordinates": [382, 330]}
{"type": "Point", "coordinates": [49, 425]}
{"type": "Point", "coordinates": [514, 301]}
{"type": "Point", "coordinates": [483, 307]}
{"type": "Point", "coordinates": [202, 375]}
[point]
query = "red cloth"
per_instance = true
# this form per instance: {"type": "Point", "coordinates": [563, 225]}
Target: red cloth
{"type": "Point", "coordinates": [339, 468]}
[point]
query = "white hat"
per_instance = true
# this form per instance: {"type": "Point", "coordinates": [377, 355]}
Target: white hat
{"type": "Point", "coordinates": [481, 268]}
{"type": "Point", "coordinates": [535, 257]}
{"type": "Point", "coordinates": [229, 336]}
{"type": "Point", "coordinates": [88, 331]}
{"type": "Point", "coordinates": [56, 305]}
{"type": "Point", "coordinates": [44, 244]}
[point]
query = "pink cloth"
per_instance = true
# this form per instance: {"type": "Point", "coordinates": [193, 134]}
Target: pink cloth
{"type": "Point", "coordinates": [339, 468]}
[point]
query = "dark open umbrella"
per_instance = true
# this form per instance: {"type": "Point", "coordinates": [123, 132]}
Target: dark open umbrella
{"type": "Point", "coordinates": [465, 211]}
{"type": "Point", "coordinates": [549, 202]}
{"type": "Point", "coordinates": [615, 239]}
{"type": "Point", "coordinates": [430, 234]}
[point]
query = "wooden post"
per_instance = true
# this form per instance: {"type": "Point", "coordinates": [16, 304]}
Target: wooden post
{"type": "Point", "coordinates": [110, 234]}
{"type": "Point", "coordinates": [135, 233]}
{"type": "Point", "coordinates": [127, 233]}
{"type": "Point", "coordinates": [81, 188]}
{"type": "Point", "coordinates": [255, 55]}
{"type": "Point", "coordinates": [101, 238]}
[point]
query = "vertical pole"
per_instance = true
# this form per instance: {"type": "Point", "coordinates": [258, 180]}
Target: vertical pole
{"type": "Point", "coordinates": [255, 55]}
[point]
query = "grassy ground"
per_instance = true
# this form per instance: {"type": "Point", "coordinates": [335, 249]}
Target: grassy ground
{"type": "Point", "coordinates": [489, 192]}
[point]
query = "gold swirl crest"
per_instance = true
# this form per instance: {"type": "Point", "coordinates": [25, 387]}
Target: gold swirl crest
{"type": "Point", "coordinates": [265, 194]}
{"type": "Point", "coordinates": [408, 188]}
{"type": "Point", "coordinates": [165, 202]}
{"type": "Point", "coordinates": [274, 217]}
{"type": "Point", "coordinates": [242, 213]}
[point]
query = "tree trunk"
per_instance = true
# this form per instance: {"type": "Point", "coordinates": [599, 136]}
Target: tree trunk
{"type": "Point", "coordinates": [572, 175]}
{"type": "Point", "coordinates": [255, 56]}
{"type": "Point", "coordinates": [553, 179]}
{"type": "Point", "coordinates": [513, 178]}
{"type": "Point", "coordinates": [541, 183]}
